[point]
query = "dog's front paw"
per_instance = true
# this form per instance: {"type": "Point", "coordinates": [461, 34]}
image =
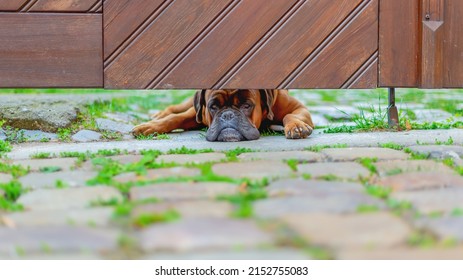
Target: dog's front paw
{"type": "Point", "coordinates": [149, 128]}
{"type": "Point", "coordinates": [297, 130]}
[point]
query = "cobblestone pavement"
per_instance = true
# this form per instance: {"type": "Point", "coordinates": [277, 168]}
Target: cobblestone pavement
{"type": "Point", "coordinates": [338, 202]}
{"type": "Point", "coordinates": [91, 191]}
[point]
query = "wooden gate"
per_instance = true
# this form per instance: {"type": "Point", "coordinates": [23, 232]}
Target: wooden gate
{"type": "Point", "coordinates": [147, 44]}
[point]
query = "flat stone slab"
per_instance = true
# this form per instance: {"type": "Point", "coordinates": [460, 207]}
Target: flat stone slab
{"type": "Point", "coordinates": [402, 254]}
{"type": "Point", "coordinates": [154, 174]}
{"type": "Point", "coordinates": [421, 181]}
{"type": "Point", "coordinates": [446, 228]}
{"type": "Point", "coordinates": [192, 158]}
{"type": "Point", "coordinates": [67, 198]}
{"type": "Point", "coordinates": [49, 180]}
{"type": "Point", "coordinates": [301, 156]}
{"type": "Point", "coordinates": [5, 178]}
{"type": "Point", "coordinates": [109, 125]}
{"type": "Point", "coordinates": [91, 217]}
{"type": "Point", "coordinates": [203, 234]}
{"type": "Point", "coordinates": [351, 154]}
{"type": "Point", "coordinates": [38, 135]}
{"type": "Point", "coordinates": [437, 151]}
{"type": "Point", "coordinates": [247, 254]}
{"type": "Point", "coordinates": [374, 230]}
{"type": "Point", "coordinates": [183, 191]}
{"type": "Point", "coordinates": [188, 209]}
{"type": "Point", "coordinates": [86, 136]}
{"type": "Point", "coordinates": [436, 200]}
{"type": "Point", "coordinates": [126, 159]}
{"type": "Point", "coordinates": [253, 170]}
{"type": "Point", "coordinates": [392, 167]}
{"type": "Point", "coordinates": [341, 170]}
{"type": "Point", "coordinates": [196, 140]}
{"type": "Point", "coordinates": [57, 239]}
{"type": "Point", "coordinates": [314, 197]}
{"type": "Point", "coordinates": [35, 165]}
{"type": "Point", "coordinates": [300, 187]}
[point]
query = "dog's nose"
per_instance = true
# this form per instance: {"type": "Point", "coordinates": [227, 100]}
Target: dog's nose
{"type": "Point", "coordinates": [227, 116]}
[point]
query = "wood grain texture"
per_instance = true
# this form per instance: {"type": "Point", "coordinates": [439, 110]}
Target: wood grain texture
{"type": "Point", "coordinates": [224, 45]}
{"type": "Point", "coordinates": [11, 5]}
{"type": "Point", "coordinates": [50, 50]}
{"type": "Point", "coordinates": [344, 55]}
{"type": "Point", "coordinates": [399, 43]}
{"type": "Point", "coordinates": [432, 54]}
{"type": "Point", "coordinates": [285, 49]}
{"type": "Point", "coordinates": [51, 5]}
{"type": "Point", "coordinates": [453, 45]}
{"type": "Point", "coordinates": [237, 43]}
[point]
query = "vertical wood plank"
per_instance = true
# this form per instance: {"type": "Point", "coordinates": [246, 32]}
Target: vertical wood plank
{"type": "Point", "coordinates": [399, 43]}
{"type": "Point", "coordinates": [453, 45]}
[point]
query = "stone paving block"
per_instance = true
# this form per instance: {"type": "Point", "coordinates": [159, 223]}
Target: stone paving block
{"type": "Point", "coordinates": [342, 170]}
{"type": "Point", "coordinates": [153, 174]}
{"type": "Point", "coordinates": [338, 112]}
{"type": "Point", "coordinates": [351, 154]}
{"type": "Point", "coordinates": [52, 256]}
{"type": "Point", "coordinates": [302, 156]}
{"type": "Point", "coordinates": [392, 167]}
{"type": "Point", "coordinates": [314, 197]}
{"type": "Point", "coordinates": [67, 198]}
{"type": "Point", "coordinates": [192, 158]}
{"type": "Point", "coordinates": [35, 240]}
{"type": "Point", "coordinates": [188, 209]}
{"type": "Point", "coordinates": [301, 187]}
{"type": "Point", "coordinates": [402, 254]}
{"type": "Point", "coordinates": [420, 181]}
{"type": "Point", "coordinates": [109, 125]}
{"type": "Point", "coordinates": [431, 115]}
{"type": "Point", "coordinates": [203, 234]}
{"type": "Point", "coordinates": [374, 230]}
{"type": "Point", "coordinates": [5, 178]}
{"type": "Point", "coordinates": [436, 200]}
{"type": "Point", "coordinates": [48, 180]}
{"type": "Point", "coordinates": [38, 135]}
{"type": "Point", "coordinates": [126, 159]}
{"type": "Point", "coordinates": [437, 151]}
{"type": "Point", "coordinates": [120, 117]}
{"type": "Point", "coordinates": [253, 170]}
{"type": "Point", "coordinates": [446, 228]}
{"type": "Point", "coordinates": [91, 217]}
{"type": "Point", "coordinates": [86, 136]}
{"type": "Point", "coordinates": [183, 191]}
{"type": "Point", "coordinates": [250, 254]}
{"type": "Point", "coordinates": [35, 165]}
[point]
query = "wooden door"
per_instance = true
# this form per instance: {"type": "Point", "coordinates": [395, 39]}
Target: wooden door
{"type": "Point", "coordinates": [51, 43]}
{"type": "Point", "coordinates": [240, 44]}
{"type": "Point", "coordinates": [421, 43]}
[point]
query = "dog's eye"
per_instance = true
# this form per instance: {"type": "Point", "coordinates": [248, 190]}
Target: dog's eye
{"type": "Point", "coordinates": [246, 106]}
{"type": "Point", "coordinates": [214, 107]}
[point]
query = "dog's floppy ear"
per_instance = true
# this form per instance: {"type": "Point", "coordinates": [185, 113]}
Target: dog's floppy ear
{"type": "Point", "coordinates": [199, 103]}
{"type": "Point", "coordinates": [267, 96]}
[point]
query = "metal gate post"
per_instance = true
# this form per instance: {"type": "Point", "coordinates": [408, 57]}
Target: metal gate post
{"type": "Point", "coordinates": [392, 113]}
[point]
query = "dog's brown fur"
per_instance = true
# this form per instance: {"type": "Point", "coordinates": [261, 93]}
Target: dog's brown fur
{"type": "Point", "coordinates": [271, 107]}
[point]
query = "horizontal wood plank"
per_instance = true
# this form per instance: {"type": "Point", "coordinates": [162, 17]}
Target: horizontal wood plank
{"type": "Point", "coordinates": [51, 50]}
{"type": "Point", "coordinates": [85, 6]}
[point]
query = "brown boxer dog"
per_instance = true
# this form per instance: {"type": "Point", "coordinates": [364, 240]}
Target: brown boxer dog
{"type": "Point", "coordinates": [233, 115]}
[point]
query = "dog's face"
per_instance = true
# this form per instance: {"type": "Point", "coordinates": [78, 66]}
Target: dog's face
{"type": "Point", "coordinates": [233, 115]}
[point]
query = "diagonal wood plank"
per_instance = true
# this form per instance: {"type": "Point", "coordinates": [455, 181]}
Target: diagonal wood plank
{"type": "Point", "coordinates": [11, 5]}
{"type": "Point", "coordinates": [228, 42]}
{"type": "Point", "coordinates": [160, 44]}
{"type": "Point", "coordinates": [64, 5]}
{"type": "Point", "coordinates": [287, 48]}
{"type": "Point", "coordinates": [346, 53]}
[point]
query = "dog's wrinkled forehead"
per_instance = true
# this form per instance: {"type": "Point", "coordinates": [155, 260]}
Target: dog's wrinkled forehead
{"type": "Point", "coordinates": [230, 97]}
